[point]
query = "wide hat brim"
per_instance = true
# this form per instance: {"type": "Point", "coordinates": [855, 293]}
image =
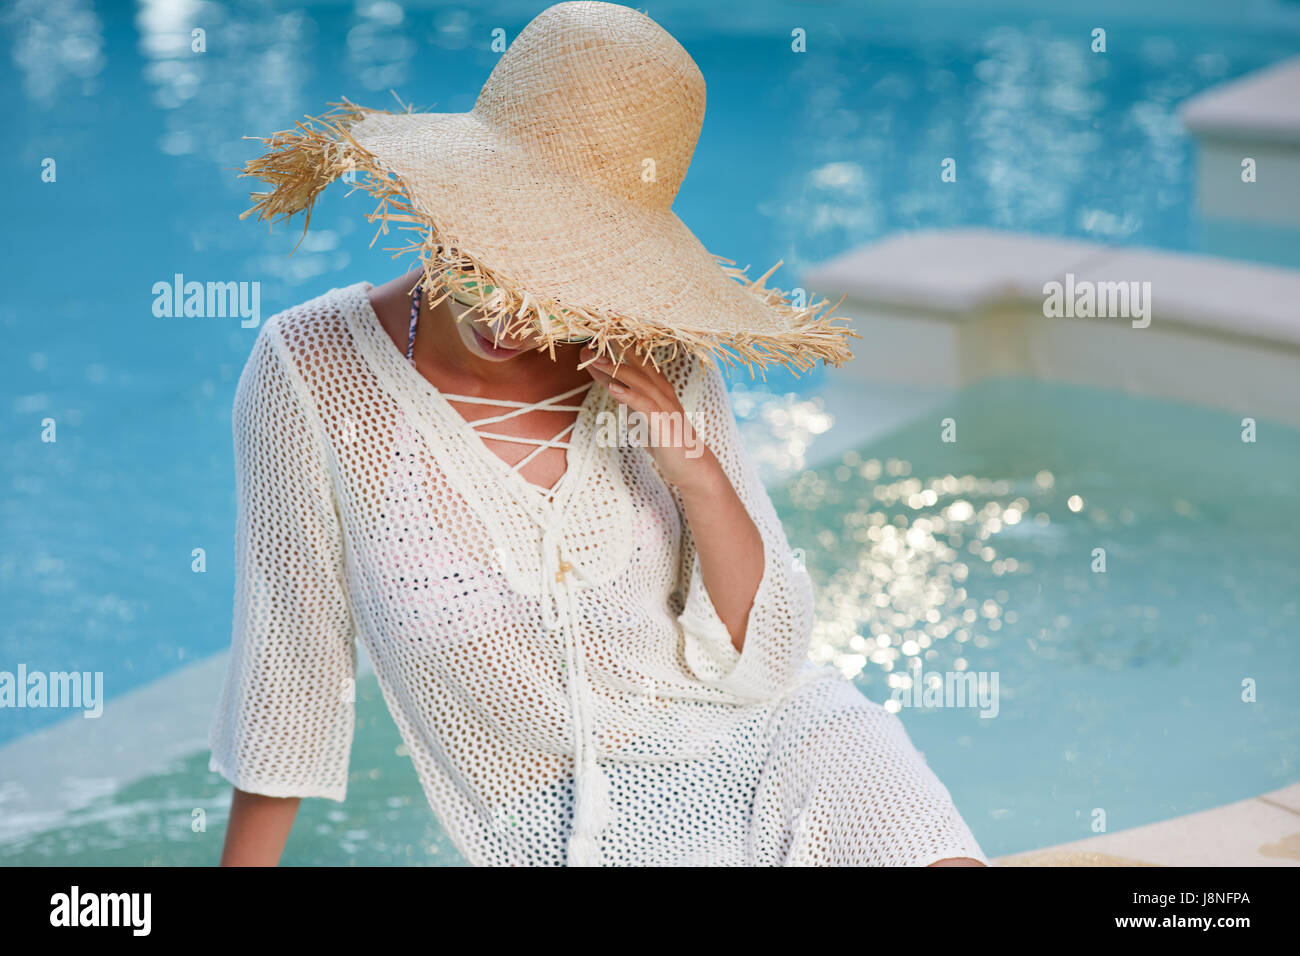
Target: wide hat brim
{"type": "Point", "coordinates": [562, 260]}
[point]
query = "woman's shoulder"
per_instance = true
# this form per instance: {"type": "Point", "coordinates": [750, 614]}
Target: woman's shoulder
{"type": "Point", "coordinates": [301, 350]}
{"type": "Point", "coordinates": [311, 335]}
{"type": "Point", "coordinates": [316, 319]}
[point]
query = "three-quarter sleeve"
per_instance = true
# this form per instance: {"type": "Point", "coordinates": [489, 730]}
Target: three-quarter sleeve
{"type": "Point", "coordinates": [779, 627]}
{"type": "Point", "coordinates": [284, 723]}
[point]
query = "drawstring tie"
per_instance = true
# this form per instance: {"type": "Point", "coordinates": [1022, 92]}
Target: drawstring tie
{"type": "Point", "coordinates": [593, 807]}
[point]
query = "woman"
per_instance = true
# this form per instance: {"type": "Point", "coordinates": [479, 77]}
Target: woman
{"type": "Point", "coordinates": [596, 653]}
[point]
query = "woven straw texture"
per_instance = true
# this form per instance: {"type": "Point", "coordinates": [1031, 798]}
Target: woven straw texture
{"type": "Point", "coordinates": [556, 190]}
{"type": "Point", "coordinates": [594, 717]}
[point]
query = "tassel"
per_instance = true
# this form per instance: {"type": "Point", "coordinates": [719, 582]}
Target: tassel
{"type": "Point", "coordinates": [592, 814]}
{"type": "Point", "coordinates": [582, 851]}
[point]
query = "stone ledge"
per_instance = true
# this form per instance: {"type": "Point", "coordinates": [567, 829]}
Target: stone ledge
{"type": "Point", "coordinates": [950, 271]}
{"type": "Point", "coordinates": [956, 274]}
{"type": "Point", "coordinates": [1263, 106]}
{"type": "Point", "coordinates": [1263, 831]}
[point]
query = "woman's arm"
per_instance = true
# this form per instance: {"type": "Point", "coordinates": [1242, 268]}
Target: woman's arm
{"type": "Point", "coordinates": [284, 722]}
{"type": "Point", "coordinates": [746, 605]}
{"type": "Point", "coordinates": [728, 542]}
{"type": "Point", "coordinates": [258, 829]}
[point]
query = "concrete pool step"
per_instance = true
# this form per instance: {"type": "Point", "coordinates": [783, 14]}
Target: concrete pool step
{"type": "Point", "coordinates": [67, 766]}
{"type": "Point", "coordinates": [949, 308]}
{"type": "Point", "coordinates": [1263, 831]}
{"type": "Point", "coordinates": [1256, 117]}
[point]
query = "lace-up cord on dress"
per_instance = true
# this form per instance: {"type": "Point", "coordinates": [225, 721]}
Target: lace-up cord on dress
{"type": "Point", "coordinates": [517, 408]}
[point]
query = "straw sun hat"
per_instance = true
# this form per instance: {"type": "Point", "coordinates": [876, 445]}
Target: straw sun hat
{"type": "Point", "coordinates": [549, 203]}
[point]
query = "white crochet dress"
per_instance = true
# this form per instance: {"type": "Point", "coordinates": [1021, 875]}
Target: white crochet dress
{"type": "Point", "coordinates": [556, 668]}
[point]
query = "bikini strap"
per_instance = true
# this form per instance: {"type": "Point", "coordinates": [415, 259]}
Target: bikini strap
{"type": "Point", "coordinates": [415, 319]}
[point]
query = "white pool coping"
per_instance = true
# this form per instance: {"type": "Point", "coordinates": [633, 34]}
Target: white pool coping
{"type": "Point", "coordinates": [956, 273]}
{"type": "Point", "coordinates": [1262, 831]}
{"type": "Point", "coordinates": [65, 767]}
{"type": "Point", "coordinates": [955, 307]}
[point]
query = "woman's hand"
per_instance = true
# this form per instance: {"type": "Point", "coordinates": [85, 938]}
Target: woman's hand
{"type": "Point", "coordinates": [683, 459]}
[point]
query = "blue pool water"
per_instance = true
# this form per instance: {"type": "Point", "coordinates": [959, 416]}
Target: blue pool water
{"type": "Point", "coordinates": [1121, 689]}
{"type": "Point", "coordinates": [801, 157]}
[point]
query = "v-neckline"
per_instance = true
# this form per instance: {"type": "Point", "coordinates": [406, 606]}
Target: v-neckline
{"type": "Point", "coordinates": [387, 357]}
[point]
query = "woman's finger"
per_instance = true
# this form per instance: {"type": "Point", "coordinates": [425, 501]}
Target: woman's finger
{"type": "Point", "coordinates": [668, 428]}
{"type": "Point", "coordinates": [633, 398]}
{"type": "Point", "coordinates": [646, 376]}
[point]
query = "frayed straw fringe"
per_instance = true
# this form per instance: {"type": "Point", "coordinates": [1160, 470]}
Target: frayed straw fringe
{"type": "Point", "coordinates": [301, 162]}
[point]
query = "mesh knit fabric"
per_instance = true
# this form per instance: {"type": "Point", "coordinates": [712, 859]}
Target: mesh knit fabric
{"type": "Point", "coordinates": [370, 511]}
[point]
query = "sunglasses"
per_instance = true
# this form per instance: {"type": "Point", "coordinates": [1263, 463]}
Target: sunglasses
{"type": "Point", "coordinates": [469, 293]}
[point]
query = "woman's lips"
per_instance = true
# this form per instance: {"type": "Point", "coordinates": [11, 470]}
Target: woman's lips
{"type": "Point", "coordinates": [493, 350]}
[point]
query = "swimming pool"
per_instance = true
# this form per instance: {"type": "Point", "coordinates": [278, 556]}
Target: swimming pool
{"type": "Point", "coordinates": [1119, 690]}
{"type": "Point", "coordinates": [840, 146]}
